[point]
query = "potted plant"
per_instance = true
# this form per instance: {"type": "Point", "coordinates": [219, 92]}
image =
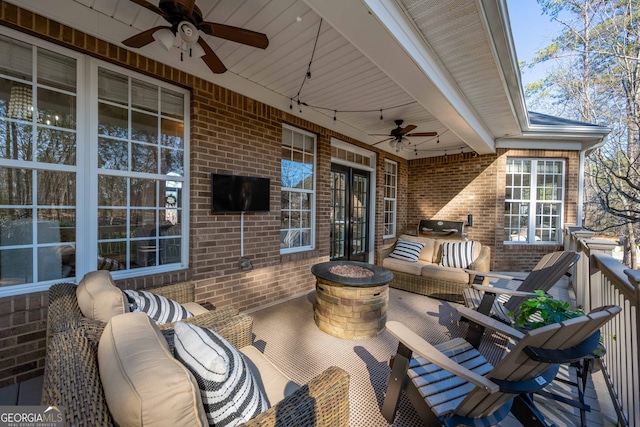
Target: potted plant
{"type": "Point", "coordinates": [545, 311]}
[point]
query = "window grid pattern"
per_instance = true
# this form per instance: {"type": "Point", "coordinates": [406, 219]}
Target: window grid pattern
{"type": "Point", "coordinates": [141, 172]}
{"type": "Point", "coordinates": [298, 191]}
{"type": "Point", "coordinates": [38, 116]}
{"type": "Point", "coordinates": [390, 197]}
{"type": "Point", "coordinates": [533, 200]}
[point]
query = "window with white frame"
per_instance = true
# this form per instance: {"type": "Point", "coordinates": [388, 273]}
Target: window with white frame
{"type": "Point", "coordinates": [141, 152]}
{"type": "Point", "coordinates": [122, 165]}
{"type": "Point", "coordinates": [534, 200]}
{"type": "Point", "coordinates": [298, 190]}
{"type": "Point", "coordinates": [390, 197]}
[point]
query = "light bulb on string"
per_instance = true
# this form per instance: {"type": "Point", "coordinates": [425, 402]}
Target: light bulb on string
{"type": "Point", "coordinates": [335, 112]}
{"type": "Point", "coordinates": [381, 117]}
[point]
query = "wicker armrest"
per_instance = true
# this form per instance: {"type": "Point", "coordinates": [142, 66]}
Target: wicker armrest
{"type": "Point", "coordinates": [72, 380]}
{"type": "Point", "coordinates": [384, 252]}
{"type": "Point", "coordinates": [237, 330]}
{"type": "Point", "coordinates": [63, 311]}
{"type": "Point", "coordinates": [481, 264]}
{"type": "Point", "coordinates": [206, 319]}
{"type": "Point", "coordinates": [181, 292]}
{"type": "Point", "coordinates": [323, 402]}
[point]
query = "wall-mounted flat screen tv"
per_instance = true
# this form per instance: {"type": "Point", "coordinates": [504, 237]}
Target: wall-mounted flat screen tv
{"type": "Point", "coordinates": [234, 193]}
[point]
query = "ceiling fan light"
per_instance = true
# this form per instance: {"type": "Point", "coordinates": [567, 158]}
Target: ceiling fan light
{"type": "Point", "coordinates": [166, 38]}
{"type": "Point", "coordinates": [188, 32]}
{"type": "Point", "coordinates": [196, 50]}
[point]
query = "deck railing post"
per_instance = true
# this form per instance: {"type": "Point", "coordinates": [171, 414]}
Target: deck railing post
{"type": "Point", "coordinates": [580, 274]}
{"type": "Point", "coordinates": [592, 290]}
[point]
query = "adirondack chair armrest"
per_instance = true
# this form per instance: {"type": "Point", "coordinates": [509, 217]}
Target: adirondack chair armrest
{"type": "Point", "coordinates": [419, 346]}
{"type": "Point", "coordinates": [489, 322]}
{"type": "Point", "coordinates": [492, 274]}
{"type": "Point", "coordinates": [503, 291]}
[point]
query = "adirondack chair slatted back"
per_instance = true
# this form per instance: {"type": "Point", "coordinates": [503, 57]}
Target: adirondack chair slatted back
{"type": "Point", "coordinates": [544, 275]}
{"type": "Point", "coordinates": [518, 366]}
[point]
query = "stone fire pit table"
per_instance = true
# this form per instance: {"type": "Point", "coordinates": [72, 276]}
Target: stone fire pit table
{"type": "Point", "coordinates": [348, 307]}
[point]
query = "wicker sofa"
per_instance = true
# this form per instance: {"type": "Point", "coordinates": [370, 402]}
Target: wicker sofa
{"type": "Point", "coordinates": [427, 276]}
{"type": "Point", "coordinates": [72, 378]}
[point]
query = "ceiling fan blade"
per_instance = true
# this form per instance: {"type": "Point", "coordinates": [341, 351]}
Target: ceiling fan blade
{"type": "Point", "coordinates": [151, 7]}
{"type": "Point", "coordinates": [211, 59]}
{"type": "Point", "coordinates": [408, 129]}
{"type": "Point", "coordinates": [143, 38]}
{"type": "Point", "coordinates": [423, 134]}
{"type": "Point", "coordinates": [189, 5]}
{"type": "Point", "coordinates": [235, 34]}
{"type": "Point", "coordinates": [380, 142]}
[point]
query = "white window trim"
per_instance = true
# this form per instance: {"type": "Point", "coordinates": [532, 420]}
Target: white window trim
{"type": "Point", "coordinates": [86, 176]}
{"type": "Point", "coordinates": [395, 205]}
{"type": "Point", "coordinates": [532, 213]}
{"type": "Point", "coordinates": [311, 247]}
{"type": "Point", "coordinates": [92, 136]}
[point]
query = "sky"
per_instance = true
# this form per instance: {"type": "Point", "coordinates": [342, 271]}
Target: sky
{"type": "Point", "coordinates": [531, 31]}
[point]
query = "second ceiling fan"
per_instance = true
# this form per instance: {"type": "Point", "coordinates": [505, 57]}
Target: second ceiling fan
{"type": "Point", "coordinates": [186, 21]}
{"type": "Point", "coordinates": [398, 136]}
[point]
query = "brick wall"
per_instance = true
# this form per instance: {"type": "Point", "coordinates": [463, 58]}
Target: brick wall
{"type": "Point", "coordinates": [450, 187]}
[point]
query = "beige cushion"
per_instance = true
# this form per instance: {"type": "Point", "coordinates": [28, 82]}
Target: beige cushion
{"type": "Point", "coordinates": [143, 383]}
{"type": "Point", "coordinates": [449, 274]}
{"type": "Point", "coordinates": [274, 383]}
{"type": "Point", "coordinates": [99, 298]}
{"type": "Point", "coordinates": [429, 246]}
{"type": "Point", "coordinates": [404, 266]}
{"type": "Point", "coordinates": [195, 308]}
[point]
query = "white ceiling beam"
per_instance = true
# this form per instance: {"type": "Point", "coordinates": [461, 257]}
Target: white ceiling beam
{"type": "Point", "coordinates": [381, 31]}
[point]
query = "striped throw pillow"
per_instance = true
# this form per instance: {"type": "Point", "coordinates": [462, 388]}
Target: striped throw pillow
{"type": "Point", "coordinates": [407, 251]}
{"type": "Point", "coordinates": [457, 254]}
{"type": "Point", "coordinates": [160, 309]}
{"type": "Point", "coordinates": [230, 394]}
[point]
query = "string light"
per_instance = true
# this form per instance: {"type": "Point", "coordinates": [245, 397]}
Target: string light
{"type": "Point", "coordinates": [307, 76]}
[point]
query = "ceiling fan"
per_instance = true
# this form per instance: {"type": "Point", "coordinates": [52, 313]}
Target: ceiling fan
{"type": "Point", "coordinates": [399, 135]}
{"type": "Point", "coordinates": [186, 21]}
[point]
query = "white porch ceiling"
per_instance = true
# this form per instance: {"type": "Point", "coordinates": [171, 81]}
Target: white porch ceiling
{"type": "Point", "coordinates": [431, 59]}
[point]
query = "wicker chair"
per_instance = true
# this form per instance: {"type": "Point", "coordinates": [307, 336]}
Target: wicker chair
{"type": "Point", "coordinates": [72, 379]}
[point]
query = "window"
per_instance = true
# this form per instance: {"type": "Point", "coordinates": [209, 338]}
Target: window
{"type": "Point", "coordinates": [298, 190]}
{"type": "Point", "coordinates": [390, 194]}
{"type": "Point", "coordinates": [534, 200]}
{"type": "Point", "coordinates": [38, 158]}
{"type": "Point", "coordinates": [141, 151]}
{"type": "Point", "coordinates": [87, 165]}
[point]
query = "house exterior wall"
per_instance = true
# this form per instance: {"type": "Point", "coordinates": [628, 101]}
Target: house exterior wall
{"type": "Point", "coordinates": [450, 187]}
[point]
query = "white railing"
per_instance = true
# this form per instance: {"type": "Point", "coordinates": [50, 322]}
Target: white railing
{"type": "Point", "coordinates": [599, 279]}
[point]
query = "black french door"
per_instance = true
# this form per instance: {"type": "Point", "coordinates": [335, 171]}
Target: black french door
{"type": "Point", "coordinates": [349, 213]}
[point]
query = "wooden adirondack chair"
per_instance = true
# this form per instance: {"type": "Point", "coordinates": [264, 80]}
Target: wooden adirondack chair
{"type": "Point", "coordinates": [499, 302]}
{"type": "Point", "coordinates": [454, 382]}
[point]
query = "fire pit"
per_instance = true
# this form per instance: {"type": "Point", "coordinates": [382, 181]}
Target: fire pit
{"type": "Point", "coordinates": [351, 298]}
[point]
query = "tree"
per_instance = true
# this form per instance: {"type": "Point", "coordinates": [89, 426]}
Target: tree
{"type": "Point", "coordinates": [595, 79]}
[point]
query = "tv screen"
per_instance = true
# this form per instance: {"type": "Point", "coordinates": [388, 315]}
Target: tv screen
{"type": "Point", "coordinates": [234, 193]}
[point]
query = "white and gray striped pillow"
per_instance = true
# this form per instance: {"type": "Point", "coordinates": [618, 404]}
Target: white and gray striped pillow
{"type": "Point", "coordinates": [407, 251]}
{"type": "Point", "coordinates": [230, 394]}
{"type": "Point", "coordinates": [457, 254]}
{"type": "Point", "coordinates": [160, 309]}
